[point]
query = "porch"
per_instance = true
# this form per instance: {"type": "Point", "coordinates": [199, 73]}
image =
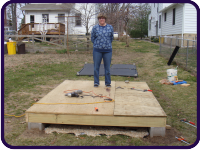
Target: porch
{"type": "Point", "coordinates": [38, 28]}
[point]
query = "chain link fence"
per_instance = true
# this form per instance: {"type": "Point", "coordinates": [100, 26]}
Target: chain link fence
{"type": "Point", "coordinates": [187, 53]}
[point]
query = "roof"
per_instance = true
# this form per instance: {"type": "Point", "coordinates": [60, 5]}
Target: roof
{"type": "Point", "coordinates": [164, 9]}
{"type": "Point", "coordinates": [49, 6]}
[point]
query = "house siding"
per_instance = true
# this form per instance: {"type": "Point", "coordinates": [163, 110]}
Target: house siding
{"type": "Point", "coordinates": [160, 7]}
{"type": "Point", "coordinates": [82, 29]}
{"type": "Point", "coordinates": [38, 16]}
{"type": "Point", "coordinates": [72, 28]}
{"type": "Point", "coordinates": [190, 19]}
{"type": "Point", "coordinates": [167, 27]}
{"type": "Point", "coordinates": [149, 30]}
{"type": "Point", "coordinates": [185, 20]}
{"type": "Point", "coordinates": [155, 17]}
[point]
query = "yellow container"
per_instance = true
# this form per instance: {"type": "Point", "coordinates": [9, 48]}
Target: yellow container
{"type": "Point", "coordinates": [11, 48]}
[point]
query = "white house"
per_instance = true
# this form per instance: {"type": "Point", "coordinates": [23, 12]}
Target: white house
{"type": "Point", "coordinates": [69, 14]}
{"type": "Point", "coordinates": [154, 28]}
{"type": "Point", "coordinates": [172, 19]}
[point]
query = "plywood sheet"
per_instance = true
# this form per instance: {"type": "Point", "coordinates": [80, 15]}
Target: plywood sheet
{"type": "Point", "coordinates": [73, 105]}
{"type": "Point", "coordinates": [131, 108]}
{"type": "Point", "coordinates": [135, 103]}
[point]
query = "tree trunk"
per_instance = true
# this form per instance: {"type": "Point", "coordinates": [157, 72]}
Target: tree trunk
{"type": "Point", "coordinates": [127, 43]}
{"type": "Point", "coordinates": [14, 16]}
{"type": "Point", "coordinates": [118, 20]}
{"type": "Point", "coordinates": [87, 34]}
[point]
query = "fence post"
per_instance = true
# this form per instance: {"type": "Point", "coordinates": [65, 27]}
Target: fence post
{"type": "Point", "coordinates": [187, 53]}
{"type": "Point", "coordinates": [160, 43]}
{"type": "Point", "coordinates": [65, 41]}
{"type": "Point", "coordinates": [195, 44]}
{"type": "Point", "coordinates": [171, 46]}
{"type": "Point", "coordinates": [33, 39]}
{"type": "Point", "coordinates": [176, 41]}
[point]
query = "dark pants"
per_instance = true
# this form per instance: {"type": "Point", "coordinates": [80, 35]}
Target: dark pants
{"type": "Point", "coordinates": [97, 57]}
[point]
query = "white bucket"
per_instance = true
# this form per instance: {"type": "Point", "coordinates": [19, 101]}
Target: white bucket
{"type": "Point", "coordinates": [171, 73]}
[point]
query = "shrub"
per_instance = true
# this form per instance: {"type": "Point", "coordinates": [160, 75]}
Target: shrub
{"type": "Point", "coordinates": [123, 38]}
{"type": "Point", "coordinates": [135, 34]}
{"type": "Point", "coordinates": [156, 40]}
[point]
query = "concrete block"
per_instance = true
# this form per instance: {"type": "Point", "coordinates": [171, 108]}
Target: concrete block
{"type": "Point", "coordinates": [32, 125]}
{"type": "Point", "coordinates": [157, 131]}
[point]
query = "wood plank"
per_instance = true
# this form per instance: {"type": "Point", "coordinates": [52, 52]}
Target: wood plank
{"type": "Point", "coordinates": [57, 95]}
{"type": "Point", "coordinates": [41, 118]}
{"type": "Point", "coordinates": [98, 120]}
{"type": "Point", "coordinates": [26, 116]}
{"type": "Point", "coordinates": [136, 103]}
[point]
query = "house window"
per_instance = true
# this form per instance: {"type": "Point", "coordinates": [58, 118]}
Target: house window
{"type": "Point", "coordinates": [154, 4]}
{"type": "Point", "coordinates": [149, 24]}
{"type": "Point", "coordinates": [32, 20]}
{"type": "Point", "coordinates": [78, 19]}
{"type": "Point", "coordinates": [174, 15]}
{"type": "Point", "coordinates": [61, 18]}
{"type": "Point", "coordinates": [165, 17]}
{"type": "Point", "coordinates": [159, 21]}
{"type": "Point", "coordinates": [45, 18]}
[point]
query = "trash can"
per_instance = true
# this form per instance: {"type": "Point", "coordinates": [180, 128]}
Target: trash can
{"type": "Point", "coordinates": [11, 48]}
{"type": "Point", "coordinates": [21, 48]}
{"type": "Point", "coordinates": [5, 48]}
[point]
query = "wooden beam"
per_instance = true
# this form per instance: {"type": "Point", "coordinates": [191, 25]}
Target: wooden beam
{"type": "Point", "coordinates": [97, 120]}
{"type": "Point", "coordinates": [56, 40]}
{"type": "Point", "coordinates": [48, 42]}
{"type": "Point", "coordinates": [39, 35]}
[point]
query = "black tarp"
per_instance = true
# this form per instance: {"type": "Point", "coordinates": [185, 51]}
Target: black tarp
{"type": "Point", "coordinates": [115, 70]}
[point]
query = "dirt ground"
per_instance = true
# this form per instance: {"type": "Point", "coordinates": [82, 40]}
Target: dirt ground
{"type": "Point", "coordinates": [35, 133]}
{"type": "Point", "coordinates": [155, 141]}
{"type": "Point", "coordinates": [14, 61]}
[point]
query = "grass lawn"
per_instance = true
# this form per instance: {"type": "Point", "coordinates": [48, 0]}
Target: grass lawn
{"type": "Point", "coordinates": [31, 76]}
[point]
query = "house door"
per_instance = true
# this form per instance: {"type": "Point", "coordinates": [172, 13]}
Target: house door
{"type": "Point", "coordinates": [156, 28]}
{"type": "Point", "coordinates": [32, 20]}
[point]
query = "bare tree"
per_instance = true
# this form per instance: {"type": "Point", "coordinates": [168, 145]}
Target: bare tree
{"type": "Point", "coordinates": [126, 20]}
{"type": "Point", "coordinates": [15, 13]}
{"type": "Point", "coordinates": [14, 16]}
{"type": "Point", "coordinates": [12, 11]}
{"type": "Point", "coordinates": [117, 15]}
{"type": "Point", "coordinates": [112, 12]}
{"type": "Point", "coordinates": [139, 22]}
{"type": "Point", "coordinates": [21, 14]}
{"type": "Point", "coordinates": [87, 12]}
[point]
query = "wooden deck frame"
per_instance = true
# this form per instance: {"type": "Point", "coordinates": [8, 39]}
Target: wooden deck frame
{"type": "Point", "coordinates": [116, 113]}
{"type": "Point", "coordinates": [123, 121]}
{"type": "Point", "coordinates": [53, 29]}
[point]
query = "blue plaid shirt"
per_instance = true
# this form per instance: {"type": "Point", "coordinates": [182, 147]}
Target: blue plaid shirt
{"type": "Point", "coordinates": [102, 37]}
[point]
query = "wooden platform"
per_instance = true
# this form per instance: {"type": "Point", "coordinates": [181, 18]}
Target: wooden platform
{"type": "Point", "coordinates": [130, 107]}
